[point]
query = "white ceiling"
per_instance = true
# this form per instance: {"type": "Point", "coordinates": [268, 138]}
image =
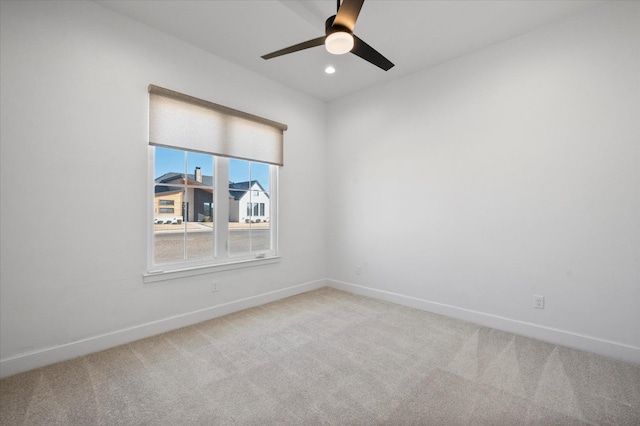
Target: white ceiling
{"type": "Point", "coordinates": [413, 34]}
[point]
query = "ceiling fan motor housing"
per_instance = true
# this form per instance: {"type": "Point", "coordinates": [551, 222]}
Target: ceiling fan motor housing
{"type": "Point", "coordinates": [329, 28]}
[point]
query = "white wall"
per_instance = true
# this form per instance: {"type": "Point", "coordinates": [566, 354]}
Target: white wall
{"type": "Point", "coordinates": [519, 166]}
{"type": "Point", "coordinates": [74, 114]}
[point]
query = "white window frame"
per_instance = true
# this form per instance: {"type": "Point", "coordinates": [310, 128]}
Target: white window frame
{"type": "Point", "coordinates": [221, 259]}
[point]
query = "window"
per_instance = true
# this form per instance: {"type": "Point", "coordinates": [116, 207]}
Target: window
{"type": "Point", "coordinates": [225, 181]}
{"type": "Point", "coordinates": [256, 209]}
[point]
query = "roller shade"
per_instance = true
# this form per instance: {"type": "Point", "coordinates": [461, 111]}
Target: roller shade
{"type": "Point", "coordinates": [182, 121]}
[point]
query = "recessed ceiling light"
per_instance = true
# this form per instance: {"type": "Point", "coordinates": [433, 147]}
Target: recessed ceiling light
{"type": "Point", "coordinates": [329, 70]}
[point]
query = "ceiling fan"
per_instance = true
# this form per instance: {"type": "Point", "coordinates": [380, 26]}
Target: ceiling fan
{"type": "Point", "coordinates": [339, 37]}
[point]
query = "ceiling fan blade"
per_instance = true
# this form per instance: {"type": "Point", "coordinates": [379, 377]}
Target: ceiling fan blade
{"type": "Point", "coordinates": [296, 47]}
{"type": "Point", "coordinates": [348, 13]}
{"type": "Point", "coordinates": [368, 53]}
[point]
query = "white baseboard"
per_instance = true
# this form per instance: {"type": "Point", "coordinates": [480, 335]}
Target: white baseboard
{"type": "Point", "coordinates": [30, 360]}
{"type": "Point", "coordinates": [556, 336]}
{"type": "Point", "coordinates": [47, 356]}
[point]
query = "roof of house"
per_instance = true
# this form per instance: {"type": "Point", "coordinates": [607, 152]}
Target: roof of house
{"type": "Point", "coordinates": [164, 189]}
{"type": "Point", "coordinates": [238, 189]}
{"type": "Point", "coordinates": [171, 176]}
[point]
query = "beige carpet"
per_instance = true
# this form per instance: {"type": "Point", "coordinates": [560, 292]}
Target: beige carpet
{"type": "Point", "coordinates": [328, 357]}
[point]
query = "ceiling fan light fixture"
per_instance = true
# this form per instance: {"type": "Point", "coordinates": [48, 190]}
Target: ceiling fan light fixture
{"type": "Point", "coordinates": [339, 38]}
{"type": "Point", "coordinates": [339, 43]}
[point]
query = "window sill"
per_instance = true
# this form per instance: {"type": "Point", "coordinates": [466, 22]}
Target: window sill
{"type": "Point", "coordinates": [156, 276]}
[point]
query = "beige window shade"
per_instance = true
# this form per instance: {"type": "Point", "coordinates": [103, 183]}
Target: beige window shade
{"type": "Point", "coordinates": [181, 121]}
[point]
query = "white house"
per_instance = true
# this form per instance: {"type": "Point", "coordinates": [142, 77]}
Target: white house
{"type": "Point", "coordinates": [248, 202]}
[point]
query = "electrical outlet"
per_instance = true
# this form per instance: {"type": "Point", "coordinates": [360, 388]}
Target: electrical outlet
{"type": "Point", "coordinates": [358, 270]}
{"type": "Point", "coordinates": [214, 286]}
{"type": "Point", "coordinates": [538, 302]}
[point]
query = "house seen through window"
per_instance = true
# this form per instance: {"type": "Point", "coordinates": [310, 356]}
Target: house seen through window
{"type": "Point", "coordinates": [188, 180]}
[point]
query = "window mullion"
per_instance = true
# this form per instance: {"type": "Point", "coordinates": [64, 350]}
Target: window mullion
{"type": "Point", "coordinates": [185, 193]}
{"type": "Point", "coordinates": [273, 208]}
{"type": "Point", "coordinates": [221, 206]}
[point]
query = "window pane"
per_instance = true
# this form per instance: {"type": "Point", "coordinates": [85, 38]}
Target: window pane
{"type": "Point", "coordinates": [167, 202]}
{"type": "Point", "coordinates": [200, 229]}
{"type": "Point", "coordinates": [249, 207]}
{"type": "Point", "coordinates": [169, 163]}
{"type": "Point", "coordinates": [260, 173]}
{"type": "Point", "coordinates": [168, 226]}
{"type": "Point", "coordinates": [238, 170]}
{"type": "Point", "coordinates": [198, 203]}
{"type": "Point", "coordinates": [261, 232]}
{"type": "Point", "coordinates": [200, 168]}
{"type": "Point", "coordinates": [260, 236]}
{"type": "Point", "coordinates": [240, 207]}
